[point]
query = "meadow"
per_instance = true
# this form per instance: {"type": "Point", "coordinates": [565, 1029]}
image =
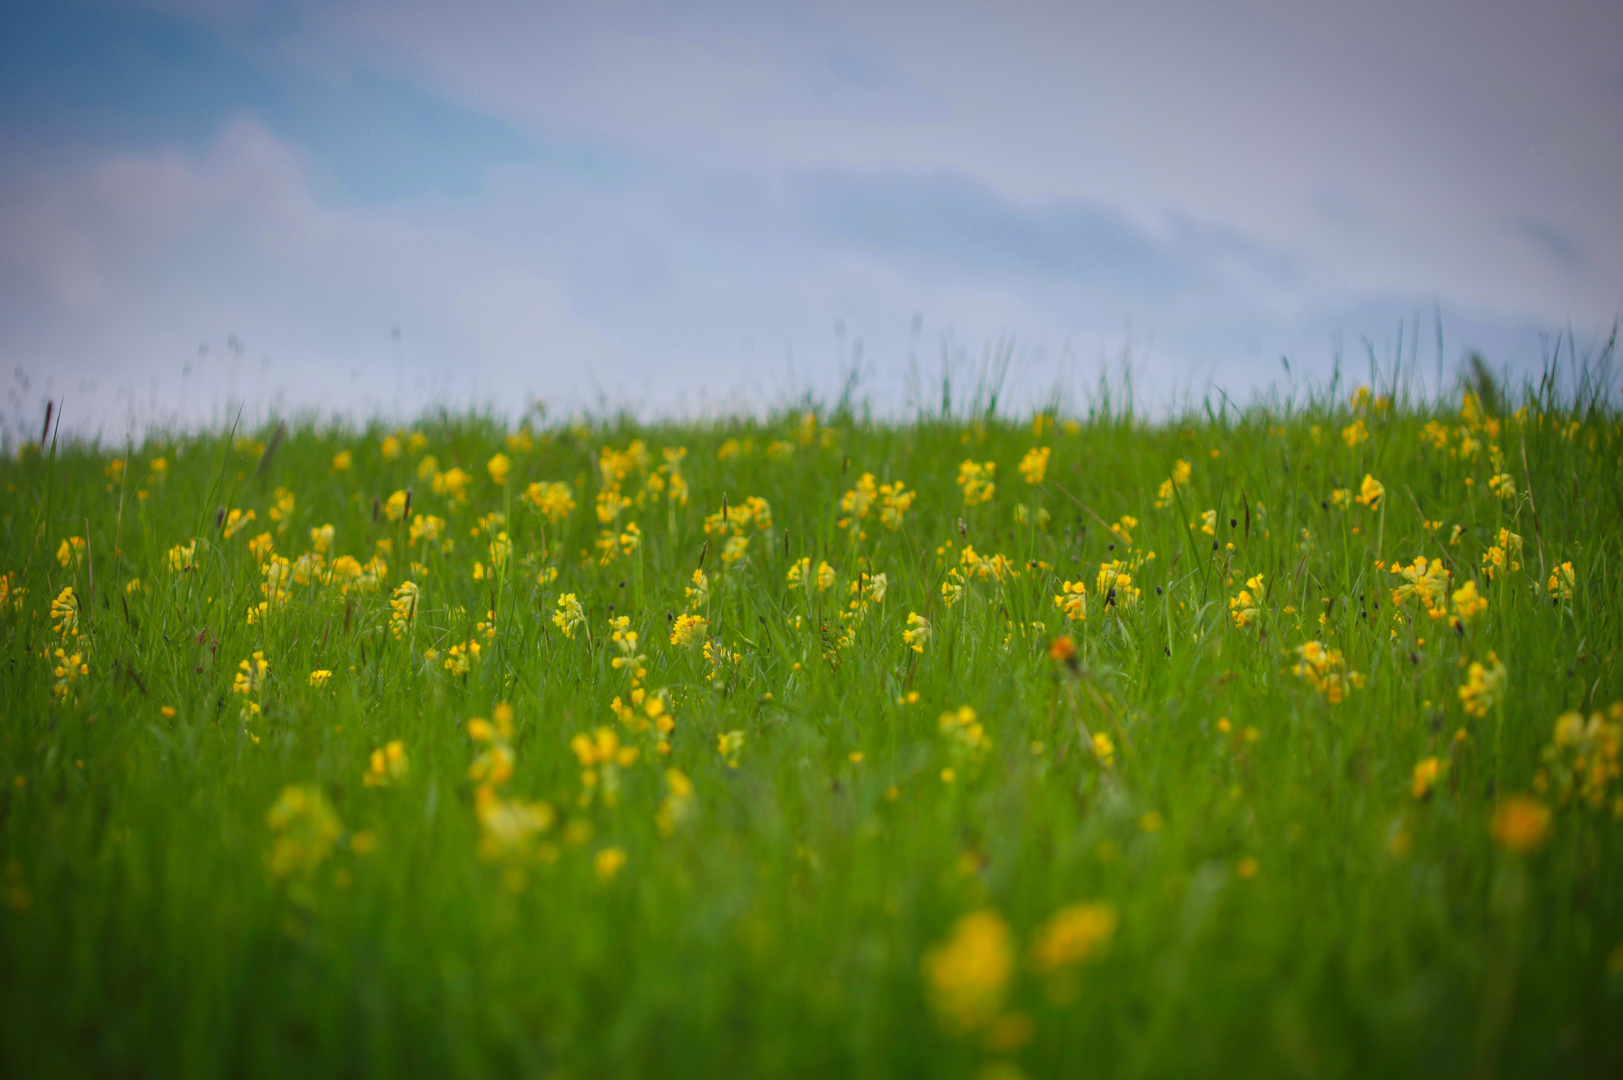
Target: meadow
{"type": "Point", "coordinates": [1274, 741]}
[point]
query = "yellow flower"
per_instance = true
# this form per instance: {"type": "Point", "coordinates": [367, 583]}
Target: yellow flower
{"type": "Point", "coordinates": [1245, 607]}
{"type": "Point", "coordinates": [305, 828]}
{"type": "Point", "coordinates": [403, 608]}
{"type": "Point", "coordinates": [554, 499]}
{"type": "Point", "coordinates": [1355, 432]}
{"type": "Point", "coordinates": [251, 673]}
{"type": "Point", "coordinates": [1521, 824]}
{"type": "Point", "coordinates": [688, 630]}
{"type": "Point", "coordinates": [1071, 599]}
{"type": "Point", "coordinates": [182, 556]}
{"type": "Point", "coordinates": [1072, 936]}
{"type": "Point", "coordinates": [65, 613]}
{"type": "Point", "coordinates": [967, 977]}
{"type": "Point", "coordinates": [1468, 603]}
{"type": "Point", "coordinates": [1503, 485]}
{"type": "Point", "coordinates": [498, 467]}
{"type": "Point", "coordinates": [1484, 686]}
{"type": "Point", "coordinates": [1322, 669]}
{"type": "Point", "coordinates": [386, 765]}
{"type": "Point", "coordinates": [342, 461]}
{"type": "Point", "coordinates": [453, 484]}
{"type": "Point", "coordinates": [1562, 580]}
{"type": "Point", "coordinates": [1104, 749]}
{"type": "Point", "coordinates": [918, 632]}
{"type": "Point", "coordinates": [1426, 773]}
{"type": "Point", "coordinates": [1371, 492]}
{"type": "Point", "coordinates": [319, 677]}
{"type": "Point", "coordinates": [569, 614]}
{"type": "Point", "coordinates": [730, 744]}
{"type": "Point", "coordinates": [390, 448]}
{"type": "Point", "coordinates": [321, 539]}
{"type": "Point", "coordinates": [608, 862]}
{"type": "Point", "coordinates": [976, 480]}
{"type": "Point", "coordinates": [1034, 466]}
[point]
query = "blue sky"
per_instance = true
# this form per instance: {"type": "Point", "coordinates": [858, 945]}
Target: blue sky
{"type": "Point", "coordinates": [371, 206]}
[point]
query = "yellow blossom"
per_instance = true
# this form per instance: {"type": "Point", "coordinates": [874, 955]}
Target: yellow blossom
{"type": "Point", "coordinates": [1034, 466]}
{"type": "Point", "coordinates": [1073, 935]}
{"type": "Point", "coordinates": [917, 635]}
{"type": "Point", "coordinates": [976, 480]}
{"type": "Point", "coordinates": [498, 467]}
{"type": "Point", "coordinates": [967, 977]}
{"type": "Point", "coordinates": [1521, 824]}
{"type": "Point", "coordinates": [1484, 685]}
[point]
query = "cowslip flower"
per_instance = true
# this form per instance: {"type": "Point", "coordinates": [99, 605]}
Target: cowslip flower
{"type": "Point", "coordinates": [1072, 600]}
{"type": "Point", "coordinates": [918, 633]}
{"type": "Point", "coordinates": [1521, 824]}
{"type": "Point", "coordinates": [1371, 492]}
{"type": "Point", "coordinates": [1426, 772]}
{"type": "Point", "coordinates": [688, 630]}
{"type": "Point", "coordinates": [967, 976]}
{"type": "Point", "coordinates": [553, 499]}
{"type": "Point", "coordinates": [65, 613]}
{"type": "Point", "coordinates": [1034, 466]}
{"type": "Point", "coordinates": [976, 480]}
{"type": "Point", "coordinates": [1468, 603]}
{"type": "Point", "coordinates": [386, 765]}
{"type": "Point", "coordinates": [1484, 685]}
{"type": "Point", "coordinates": [729, 745]}
{"type": "Point", "coordinates": [319, 677]}
{"type": "Point", "coordinates": [403, 608]}
{"type": "Point", "coordinates": [306, 829]}
{"type": "Point", "coordinates": [1562, 580]}
{"type": "Point", "coordinates": [1074, 935]}
{"type": "Point", "coordinates": [1244, 607]}
{"type": "Point", "coordinates": [498, 467]}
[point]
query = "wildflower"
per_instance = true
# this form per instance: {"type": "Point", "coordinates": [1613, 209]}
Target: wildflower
{"type": "Point", "coordinates": [967, 977]}
{"type": "Point", "coordinates": [403, 608]}
{"type": "Point", "coordinates": [1355, 432]}
{"type": "Point", "coordinates": [426, 527]}
{"type": "Point", "coordinates": [698, 593]}
{"type": "Point", "coordinates": [875, 587]}
{"type": "Point", "coordinates": [1208, 522]}
{"type": "Point", "coordinates": [1425, 777]}
{"type": "Point", "coordinates": [306, 829]}
{"type": "Point", "coordinates": [453, 484]}
{"type": "Point", "coordinates": [1468, 603]}
{"type": "Point", "coordinates": [1503, 485]}
{"type": "Point", "coordinates": [1521, 824]}
{"type": "Point", "coordinates": [65, 613]}
{"type": "Point", "coordinates": [250, 677]}
{"type": "Point", "coordinates": [1426, 581]}
{"type": "Point", "coordinates": [554, 499]}
{"type": "Point", "coordinates": [1322, 669]}
{"type": "Point", "coordinates": [1247, 868]}
{"type": "Point", "coordinates": [386, 765]}
{"type": "Point", "coordinates": [1071, 600]}
{"type": "Point", "coordinates": [390, 449]}
{"type": "Point", "coordinates": [235, 522]}
{"type": "Point", "coordinates": [498, 467]}
{"type": "Point", "coordinates": [608, 863]}
{"type": "Point", "coordinates": [688, 630]}
{"type": "Point", "coordinates": [319, 677]}
{"type": "Point", "coordinates": [1371, 492]}
{"type": "Point", "coordinates": [1072, 936]}
{"type": "Point", "coordinates": [798, 572]}
{"type": "Point", "coordinates": [68, 669]}
{"type": "Point", "coordinates": [1115, 584]}
{"type": "Point", "coordinates": [1585, 757]}
{"type": "Point", "coordinates": [730, 744]}
{"type": "Point", "coordinates": [1562, 580]}
{"type": "Point", "coordinates": [1484, 685]}
{"type": "Point", "coordinates": [918, 633]}
{"type": "Point", "coordinates": [342, 461]}
{"type": "Point", "coordinates": [182, 557]}
{"type": "Point", "coordinates": [459, 658]}
{"type": "Point", "coordinates": [976, 480]}
{"type": "Point", "coordinates": [733, 550]}
{"type": "Point", "coordinates": [260, 547]}
{"type": "Point", "coordinates": [1244, 607]}
{"type": "Point", "coordinates": [493, 766]}
{"type": "Point", "coordinates": [1063, 650]}
{"type": "Point", "coordinates": [508, 827]}
{"type": "Point", "coordinates": [1505, 552]}
{"type": "Point", "coordinates": [893, 504]}
{"type": "Point", "coordinates": [1034, 466]}
{"type": "Point", "coordinates": [966, 735]}
{"type": "Point", "coordinates": [1104, 749]}
{"type": "Point", "coordinates": [678, 806]}
{"type": "Point", "coordinates": [321, 539]}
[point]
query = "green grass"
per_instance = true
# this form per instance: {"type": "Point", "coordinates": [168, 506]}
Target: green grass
{"type": "Point", "coordinates": [1297, 911]}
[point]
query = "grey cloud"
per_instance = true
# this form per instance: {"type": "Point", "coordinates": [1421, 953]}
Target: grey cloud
{"type": "Point", "coordinates": [1556, 245]}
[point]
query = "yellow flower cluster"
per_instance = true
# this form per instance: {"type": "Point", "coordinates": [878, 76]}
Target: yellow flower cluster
{"type": "Point", "coordinates": [1584, 760]}
{"type": "Point", "coordinates": [1484, 685]}
{"type": "Point", "coordinates": [1324, 669]}
{"type": "Point", "coordinates": [975, 478]}
{"type": "Point", "coordinates": [1245, 606]}
{"type": "Point", "coordinates": [306, 829]}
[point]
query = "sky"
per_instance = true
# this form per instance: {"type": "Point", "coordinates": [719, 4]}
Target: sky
{"type": "Point", "coordinates": [367, 208]}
